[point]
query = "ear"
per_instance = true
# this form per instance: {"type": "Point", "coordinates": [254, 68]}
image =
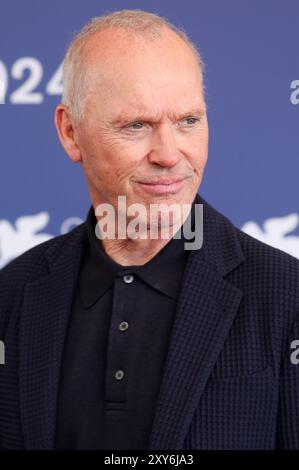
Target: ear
{"type": "Point", "coordinates": [65, 128]}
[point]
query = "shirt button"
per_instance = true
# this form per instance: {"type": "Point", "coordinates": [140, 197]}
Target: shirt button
{"type": "Point", "coordinates": [119, 374]}
{"type": "Point", "coordinates": [128, 278]}
{"type": "Point", "coordinates": [123, 326]}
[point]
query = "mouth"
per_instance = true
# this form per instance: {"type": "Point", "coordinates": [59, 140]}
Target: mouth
{"type": "Point", "coordinates": [162, 186]}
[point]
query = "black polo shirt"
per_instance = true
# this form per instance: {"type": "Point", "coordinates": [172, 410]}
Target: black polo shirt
{"type": "Point", "coordinates": [116, 346]}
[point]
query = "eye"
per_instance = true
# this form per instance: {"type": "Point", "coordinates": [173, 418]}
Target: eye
{"type": "Point", "coordinates": [193, 120]}
{"type": "Point", "coordinates": [138, 123]}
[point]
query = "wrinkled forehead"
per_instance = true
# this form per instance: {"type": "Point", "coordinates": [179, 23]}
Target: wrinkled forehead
{"type": "Point", "coordinates": [142, 97]}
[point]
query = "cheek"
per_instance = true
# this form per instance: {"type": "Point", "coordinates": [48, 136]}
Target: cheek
{"type": "Point", "coordinates": [125, 154]}
{"type": "Point", "coordinates": [117, 161]}
{"type": "Point", "coordinates": [198, 152]}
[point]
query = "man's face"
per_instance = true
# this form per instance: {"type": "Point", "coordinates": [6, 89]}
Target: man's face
{"type": "Point", "coordinates": [145, 120]}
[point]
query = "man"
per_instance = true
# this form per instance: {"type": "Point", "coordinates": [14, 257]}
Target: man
{"type": "Point", "coordinates": [138, 343]}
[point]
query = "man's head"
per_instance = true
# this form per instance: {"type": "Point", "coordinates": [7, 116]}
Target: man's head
{"type": "Point", "coordinates": [134, 111]}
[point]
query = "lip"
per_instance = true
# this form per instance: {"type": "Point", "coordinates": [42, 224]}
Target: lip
{"type": "Point", "coordinates": [162, 186]}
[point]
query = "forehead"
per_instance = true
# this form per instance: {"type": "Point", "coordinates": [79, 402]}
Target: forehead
{"type": "Point", "coordinates": [116, 52]}
{"type": "Point", "coordinates": [146, 99]}
{"type": "Point", "coordinates": [141, 73]}
{"type": "Point", "coordinates": [116, 40]}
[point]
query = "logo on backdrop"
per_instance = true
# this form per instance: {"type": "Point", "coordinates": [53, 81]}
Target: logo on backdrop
{"type": "Point", "coordinates": [25, 233]}
{"type": "Point", "coordinates": [30, 230]}
{"type": "Point", "coordinates": [277, 232]}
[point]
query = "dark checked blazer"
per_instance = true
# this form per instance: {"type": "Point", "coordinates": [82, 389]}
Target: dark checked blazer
{"type": "Point", "coordinates": [228, 380]}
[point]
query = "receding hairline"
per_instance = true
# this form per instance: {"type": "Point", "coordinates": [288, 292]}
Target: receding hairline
{"type": "Point", "coordinates": [137, 22]}
{"type": "Point", "coordinates": [121, 34]}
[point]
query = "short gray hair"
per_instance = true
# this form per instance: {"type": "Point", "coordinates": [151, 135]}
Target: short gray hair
{"type": "Point", "coordinates": [138, 21]}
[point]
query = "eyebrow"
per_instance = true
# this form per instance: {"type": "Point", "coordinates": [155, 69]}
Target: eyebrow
{"type": "Point", "coordinates": [125, 117]}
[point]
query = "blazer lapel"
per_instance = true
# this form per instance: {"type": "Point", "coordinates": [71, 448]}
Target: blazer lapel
{"type": "Point", "coordinates": [206, 309]}
{"type": "Point", "coordinates": [43, 326]}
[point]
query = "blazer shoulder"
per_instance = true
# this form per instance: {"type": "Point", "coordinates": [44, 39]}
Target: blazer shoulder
{"type": "Point", "coordinates": [272, 271]}
{"type": "Point", "coordinates": [264, 271]}
{"type": "Point", "coordinates": [263, 252]}
{"type": "Point", "coordinates": [32, 264]}
{"type": "Point", "coordinates": [258, 255]}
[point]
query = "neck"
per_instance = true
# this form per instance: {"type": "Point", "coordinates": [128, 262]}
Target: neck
{"type": "Point", "coordinates": [130, 252]}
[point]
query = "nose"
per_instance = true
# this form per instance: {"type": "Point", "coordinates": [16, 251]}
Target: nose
{"type": "Point", "coordinates": [164, 151]}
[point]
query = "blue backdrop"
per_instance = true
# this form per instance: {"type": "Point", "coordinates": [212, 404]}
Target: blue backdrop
{"type": "Point", "coordinates": [252, 77]}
